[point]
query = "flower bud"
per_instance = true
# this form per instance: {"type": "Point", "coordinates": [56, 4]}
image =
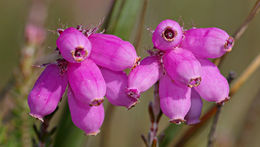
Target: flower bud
{"type": "Point", "coordinates": [174, 99]}
{"type": "Point", "coordinates": [167, 35]}
{"type": "Point", "coordinates": [112, 52]}
{"type": "Point", "coordinates": [144, 76]}
{"type": "Point", "coordinates": [193, 116]}
{"type": "Point", "coordinates": [182, 66]}
{"type": "Point", "coordinates": [207, 42]}
{"type": "Point", "coordinates": [47, 92]}
{"type": "Point", "coordinates": [116, 82]}
{"type": "Point", "coordinates": [87, 118]}
{"type": "Point", "coordinates": [214, 86]}
{"type": "Point", "coordinates": [73, 45]}
{"type": "Point", "coordinates": [87, 82]}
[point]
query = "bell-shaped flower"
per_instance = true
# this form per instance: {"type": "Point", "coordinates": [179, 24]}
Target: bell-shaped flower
{"type": "Point", "coordinates": [112, 52]}
{"type": "Point", "coordinates": [47, 91]}
{"type": "Point", "coordinates": [87, 118]}
{"type": "Point", "coordinates": [73, 45]}
{"type": "Point", "coordinates": [183, 67]}
{"type": "Point", "coordinates": [87, 82]}
{"type": "Point", "coordinates": [207, 42]}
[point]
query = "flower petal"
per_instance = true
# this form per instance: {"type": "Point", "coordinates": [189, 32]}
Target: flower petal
{"type": "Point", "coordinates": [214, 86]}
{"type": "Point", "coordinates": [47, 92]}
{"type": "Point", "coordinates": [174, 99]}
{"type": "Point", "coordinates": [87, 118]}
{"type": "Point", "coordinates": [167, 35]}
{"type": "Point", "coordinates": [193, 116]}
{"type": "Point", "coordinates": [112, 52]}
{"type": "Point", "coordinates": [182, 66]}
{"type": "Point", "coordinates": [207, 42]}
{"type": "Point", "coordinates": [87, 82]}
{"type": "Point", "coordinates": [73, 45]}
{"type": "Point", "coordinates": [144, 76]}
{"type": "Point", "coordinates": [116, 82]}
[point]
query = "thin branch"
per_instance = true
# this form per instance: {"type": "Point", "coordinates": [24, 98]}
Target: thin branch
{"type": "Point", "coordinates": [253, 66]}
{"type": "Point", "coordinates": [240, 31]}
{"type": "Point", "coordinates": [155, 114]}
{"type": "Point", "coordinates": [213, 127]}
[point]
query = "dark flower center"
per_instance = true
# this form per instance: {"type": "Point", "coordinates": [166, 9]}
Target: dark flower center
{"type": "Point", "coordinates": [169, 34]}
{"type": "Point", "coordinates": [79, 52]}
{"type": "Point", "coordinates": [229, 44]}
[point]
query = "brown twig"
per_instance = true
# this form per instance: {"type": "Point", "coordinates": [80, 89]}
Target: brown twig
{"type": "Point", "coordinates": [240, 31]}
{"type": "Point", "coordinates": [253, 66]}
{"type": "Point", "coordinates": [155, 114]}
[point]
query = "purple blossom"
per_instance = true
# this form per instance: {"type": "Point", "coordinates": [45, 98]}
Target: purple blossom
{"type": "Point", "coordinates": [185, 67]}
{"type": "Point", "coordinates": [87, 118]}
{"type": "Point", "coordinates": [207, 42]}
{"type": "Point", "coordinates": [87, 82]}
{"type": "Point", "coordinates": [73, 45]}
{"type": "Point", "coordinates": [83, 51]}
{"type": "Point", "coordinates": [193, 116]}
{"type": "Point", "coordinates": [143, 77]}
{"type": "Point", "coordinates": [112, 52]}
{"type": "Point", "coordinates": [116, 82]}
{"type": "Point", "coordinates": [47, 92]}
{"type": "Point", "coordinates": [167, 35]}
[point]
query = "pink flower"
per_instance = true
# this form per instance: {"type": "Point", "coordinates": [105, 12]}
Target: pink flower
{"type": "Point", "coordinates": [193, 116]}
{"type": "Point", "coordinates": [73, 45]}
{"type": "Point", "coordinates": [167, 35]}
{"type": "Point", "coordinates": [87, 118]}
{"type": "Point", "coordinates": [116, 82]}
{"type": "Point", "coordinates": [214, 86]}
{"type": "Point", "coordinates": [144, 76]}
{"type": "Point", "coordinates": [47, 92]}
{"type": "Point", "coordinates": [82, 51]}
{"type": "Point", "coordinates": [184, 69]}
{"type": "Point", "coordinates": [112, 52]}
{"type": "Point", "coordinates": [207, 42]}
{"type": "Point", "coordinates": [87, 82]}
{"type": "Point", "coordinates": [175, 99]}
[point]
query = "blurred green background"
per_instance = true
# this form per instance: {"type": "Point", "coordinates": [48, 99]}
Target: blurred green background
{"type": "Point", "coordinates": [127, 126]}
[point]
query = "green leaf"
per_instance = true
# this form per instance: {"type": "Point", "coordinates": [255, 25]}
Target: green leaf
{"type": "Point", "coordinates": [68, 134]}
{"type": "Point", "coordinates": [169, 133]}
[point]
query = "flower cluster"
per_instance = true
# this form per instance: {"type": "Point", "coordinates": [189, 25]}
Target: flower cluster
{"type": "Point", "coordinates": [92, 66]}
{"type": "Point", "coordinates": [180, 64]}
{"type": "Point", "coordinates": [90, 61]}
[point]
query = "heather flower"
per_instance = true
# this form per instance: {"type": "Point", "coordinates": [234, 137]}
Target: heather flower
{"type": "Point", "coordinates": [112, 52]}
{"type": "Point", "coordinates": [175, 99]}
{"type": "Point", "coordinates": [73, 45]}
{"type": "Point", "coordinates": [87, 118]}
{"type": "Point", "coordinates": [193, 116]}
{"type": "Point", "coordinates": [87, 82]}
{"type": "Point", "coordinates": [214, 86]}
{"type": "Point", "coordinates": [183, 67]}
{"type": "Point", "coordinates": [186, 75]}
{"type": "Point", "coordinates": [82, 51]}
{"type": "Point", "coordinates": [47, 91]}
{"type": "Point", "coordinates": [167, 35]}
{"type": "Point", "coordinates": [144, 76]}
{"type": "Point", "coordinates": [207, 42]}
{"type": "Point", "coordinates": [116, 82]}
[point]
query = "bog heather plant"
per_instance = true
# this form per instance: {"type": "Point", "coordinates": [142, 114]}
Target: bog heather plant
{"type": "Point", "coordinates": [82, 51]}
{"type": "Point", "coordinates": [180, 63]}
